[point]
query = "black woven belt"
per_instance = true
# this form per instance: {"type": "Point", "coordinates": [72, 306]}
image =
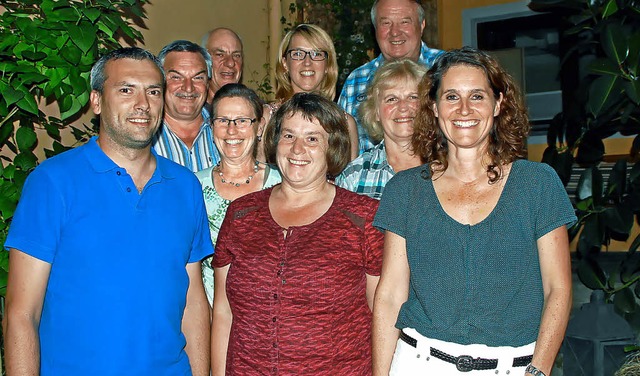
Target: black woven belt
{"type": "Point", "coordinates": [466, 363]}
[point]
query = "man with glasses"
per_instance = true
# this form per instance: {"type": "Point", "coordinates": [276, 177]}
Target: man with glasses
{"type": "Point", "coordinates": [399, 25]}
{"type": "Point", "coordinates": [186, 136]}
{"type": "Point", "coordinates": [225, 48]}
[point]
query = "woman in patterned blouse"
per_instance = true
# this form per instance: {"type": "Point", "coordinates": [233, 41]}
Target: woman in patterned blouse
{"type": "Point", "coordinates": [296, 265]}
{"type": "Point", "coordinates": [236, 119]}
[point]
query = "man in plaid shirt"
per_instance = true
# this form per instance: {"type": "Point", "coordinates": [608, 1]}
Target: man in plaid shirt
{"type": "Point", "coordinates": [399, 25]}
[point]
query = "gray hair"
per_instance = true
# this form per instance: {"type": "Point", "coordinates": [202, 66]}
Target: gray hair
{"type": "Point", "coordinates": [205, 38]}
{"type": "Point", "coordinates": [186, 46]}
{"type": "Point", "coordinates": [374, 11]}
{"type": "Point", "coordinates": [98, 76]}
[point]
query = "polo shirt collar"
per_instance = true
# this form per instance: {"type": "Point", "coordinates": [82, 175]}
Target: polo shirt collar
{"type": "Point", "coordinates": [100, 162]}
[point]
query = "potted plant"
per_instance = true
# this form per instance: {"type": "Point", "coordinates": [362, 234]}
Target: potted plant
{"type": "Point", "coordinates": [606, 102]}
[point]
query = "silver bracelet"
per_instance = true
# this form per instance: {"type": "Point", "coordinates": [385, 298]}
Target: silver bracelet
{"type": "Point", "coordinates": [534, 371]}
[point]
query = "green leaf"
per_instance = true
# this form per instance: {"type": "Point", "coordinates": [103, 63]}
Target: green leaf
{"type": "Point", "coordinates": [28, 103]}
{"type": "Point", "coordinates": [25, 160]}
{"type": "Point", "coordinates": [625, 301]}
{"type": "Point", "coordinates": [632, 88]}
{"type": "Point", "coordinates": [75, 107]}
{"type": "Point", "coordinates": [71, 55]}
{"type": "Point", "coordinates": [91, 13]}
{"type": "Point", "coordinates": [33, 78]}
{"type": "Point", "coordinates": [604, 66]}
{"type": "Point", "coordinates": [634, 174]}
{"type": "Point", "coordinates": [616, 184]}
{"type": "Point", "coordinates": [635, 244]}
{"type": "Point", "coordinates": [592, 235]}
{"type": "Point", "coordinates": [33, 56]}
{"type": "Point", "coordinates": [83, 36]}
{"type": "Point", "coordinates": [602, 92]}
{"type": "Point", "coordinates": [591, 274]}
{"type": "Point", "coordinates": [590, 184]}
{"type": "Point", "coordinates": [20, 48]}
{"type": "Point", "coordinates": [614, 42]}
{"type": "Point", "coordinates": [6, 130]}
{"type": "Point", "coordinates": [26, 138]}
{"type": "Point", "coordinates": [12, 96]}
{"type": "Point", "coordinates": [52, 130]}
{"type": "Point", "coordinates": [610, 8]}
{"type": "Point", "coordinates": [106, 27]}
{"type": "Point", "coordinates": [618, 219]}
{"type": "Point", "coordinates": [633, 60]}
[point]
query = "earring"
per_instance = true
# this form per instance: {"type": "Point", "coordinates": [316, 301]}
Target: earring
{"type": "Point", "coordinates": [259, 138]}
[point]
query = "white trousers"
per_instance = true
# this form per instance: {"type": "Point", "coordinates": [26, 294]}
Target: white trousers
{"type": "Point", "coordinates": [418, 361]}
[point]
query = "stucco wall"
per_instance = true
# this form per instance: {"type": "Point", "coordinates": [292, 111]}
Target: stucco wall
{"type": "Point", "coordinates": [169, 20]}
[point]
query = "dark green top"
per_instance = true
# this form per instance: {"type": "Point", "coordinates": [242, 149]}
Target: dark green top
{"type": "Point", "coordinates": [475, 283]}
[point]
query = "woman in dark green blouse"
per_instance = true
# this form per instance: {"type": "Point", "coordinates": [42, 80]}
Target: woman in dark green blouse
{"type": "Point", "coordinates": [476, 270]}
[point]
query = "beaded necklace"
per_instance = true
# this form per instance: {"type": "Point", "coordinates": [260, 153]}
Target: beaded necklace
{"type": "Point", "coordinates": [218, 169]}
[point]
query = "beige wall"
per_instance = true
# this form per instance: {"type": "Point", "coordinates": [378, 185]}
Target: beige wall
{"type": "Point", "coordinates": [450, 19]}
{"type": "Point", "coordinates": [169, 20]}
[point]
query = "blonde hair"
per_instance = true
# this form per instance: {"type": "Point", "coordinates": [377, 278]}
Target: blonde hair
{"type": "Point", "coordinates": [390, 74]}
{"type": "Point", "coordinates": [320, 40]}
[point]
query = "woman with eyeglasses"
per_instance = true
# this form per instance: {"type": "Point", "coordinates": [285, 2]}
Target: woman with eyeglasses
{"type": "Point", "coordinates": [237, 119]}
{"type": "Point", "coordinates": [296, 265]}
{"type": "Point", "coordinates": [308, 64]}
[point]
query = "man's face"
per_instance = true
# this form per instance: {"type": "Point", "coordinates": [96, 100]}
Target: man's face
{"type": "Point", "coordinates": [226, 54]}
{"type": "Point", "coordinates": [130, 105]}
{"type": "Point", "coordinates": [187, 85]}
{"type": "Point", "coordinates": [398, 29]}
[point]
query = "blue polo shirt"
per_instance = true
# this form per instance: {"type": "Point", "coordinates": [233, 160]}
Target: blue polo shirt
{"type": "Point", "coordinates": [118, 283]}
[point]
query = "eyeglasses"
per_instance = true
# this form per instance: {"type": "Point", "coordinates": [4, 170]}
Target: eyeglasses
{"type": "Point", "coordinates": [315, 55]}
{"type": "Point", "coordinates": [239, 122]}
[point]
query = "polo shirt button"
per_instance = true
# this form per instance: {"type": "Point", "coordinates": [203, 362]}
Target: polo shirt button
{"type": "Point", "coordinates": [274, 319]}
{"type": "Point", "coordinates": [118, 173]}
{"type": "Point", "coordinates": [283, 281]}
{"type": "Point", "coordinates": [275, 345]}
{"type": "Point", "coordinates": [279, 272]}
{"type": "Point", "coordinates": [275, 296]}
{"type": "Point", "coordinates": [128, 189]}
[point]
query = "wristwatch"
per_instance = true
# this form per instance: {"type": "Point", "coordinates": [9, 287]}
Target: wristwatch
{"type": "Point", "coordinates": [534, 371]}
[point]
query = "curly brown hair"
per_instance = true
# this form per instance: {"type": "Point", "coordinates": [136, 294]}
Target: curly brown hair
{"type": "Point", "coordinates": [507, 140]}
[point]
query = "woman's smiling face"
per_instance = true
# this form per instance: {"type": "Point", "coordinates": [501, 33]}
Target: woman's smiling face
{"type": "Point", "coordinates": [465, 107]}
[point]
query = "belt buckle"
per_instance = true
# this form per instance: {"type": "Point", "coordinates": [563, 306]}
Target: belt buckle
{"type": "Point", "coordinates": [464, 363]}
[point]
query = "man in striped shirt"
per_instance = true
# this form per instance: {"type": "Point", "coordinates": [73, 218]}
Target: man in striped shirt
{"type": "Point", "coordinates": [186, 136]}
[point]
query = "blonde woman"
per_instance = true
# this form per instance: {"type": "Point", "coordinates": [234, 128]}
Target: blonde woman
{"type": "Point", "coordinates": [388, 115]}
{"type": "Point", "coordinates": [308, 64]}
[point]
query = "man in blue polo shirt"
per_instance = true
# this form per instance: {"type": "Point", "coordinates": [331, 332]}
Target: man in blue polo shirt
{"type": "Point", "coordinates": [105, 246]}
{"type": "Point", "coordinates": [399, 25]}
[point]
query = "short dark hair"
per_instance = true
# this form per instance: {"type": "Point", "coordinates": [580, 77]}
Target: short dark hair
{"type": "Point", "coordinates": [238, 91]}
{"type": "Point", "coordinates": [186, 46]}
{"type": "Point", "coordinates": [313, 106]}
{"type": "Point", "coordinates": [507, 140]}
{"type": "Point", "coordinates": [98, 76]}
